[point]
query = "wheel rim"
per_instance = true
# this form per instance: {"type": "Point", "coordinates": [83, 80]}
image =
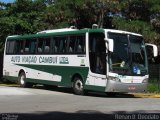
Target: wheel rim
{"type": "Point", "coordinates": [79, 85]}
{"type": "Point", "coordinates": [22, 80]}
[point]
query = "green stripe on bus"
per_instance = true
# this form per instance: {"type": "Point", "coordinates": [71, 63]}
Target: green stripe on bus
{"type": "Point", "coordinates": [66, 72]}
{"type": "Point", "coordinates": [40, 81]}
{"type": "Point", "coordinates": [11, 78]}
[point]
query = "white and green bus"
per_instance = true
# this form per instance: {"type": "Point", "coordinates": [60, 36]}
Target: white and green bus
{"type": "Point", "coordinates": [101, 60]}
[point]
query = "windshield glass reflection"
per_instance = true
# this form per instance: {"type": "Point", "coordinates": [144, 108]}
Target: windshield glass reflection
{"type": "Point", "coordinates": [128, 56]}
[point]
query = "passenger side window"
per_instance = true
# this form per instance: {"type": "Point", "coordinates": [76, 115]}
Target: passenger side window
{"type": "Point", "coordinates": [40, 46]}
{"type": "Point", "coordinates": [69, 44]}
{"type": "Point", "coordinates": [47, 43]}
{"type": "Point", "coordinates": [80, 45]}
{"type": "Point", "coordinates": [10, 46]}
{"type": "Point", "coordinates": [44, 45]}
{"type": "Point", "coordinates": [26, 48]}
{"type": "Point", "coordinates": [19, 49]}
{"type": "Point", "coordinates": [72, 43]}
{"type": "Point", "coordinates": [63, 43]}
{"type": "Point", "coordinates": [60, 44]}
{"type": "Point", "coordinates": [56, 45]}
{"type": "Point", "coordinates": [33, 46]}
{"type": "Point", "coordinates": [7, 47]}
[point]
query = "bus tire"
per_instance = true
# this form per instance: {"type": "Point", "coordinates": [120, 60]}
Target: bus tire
{"type": "Point", "coordinates": [78, 86]}
{"type": "Point", "coordinates": [22, 80]}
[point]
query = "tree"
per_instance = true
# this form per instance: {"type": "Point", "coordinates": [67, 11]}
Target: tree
{"type": "Point", "coordinates": [81, 13]}
{"type": "Point", "coordinates": [21, 17]}
{"type": "Point", "coordinates": [31, 16]}
{"type": "Point", "coordinates": [140, 17]}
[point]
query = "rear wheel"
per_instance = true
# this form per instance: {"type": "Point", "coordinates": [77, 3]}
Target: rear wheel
{"type": "Point", "coordinates": [22, 80]}
{"type": "Point", "coordinates": [78, 86]}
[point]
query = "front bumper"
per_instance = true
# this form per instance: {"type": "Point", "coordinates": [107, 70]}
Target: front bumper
{"type": "Point", "coordinates": [114, 86]}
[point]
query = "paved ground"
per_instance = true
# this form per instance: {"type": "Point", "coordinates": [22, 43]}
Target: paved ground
{"type": "Point", "coordinates": [39, 103]}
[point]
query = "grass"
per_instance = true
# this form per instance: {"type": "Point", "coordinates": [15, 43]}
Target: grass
{"type": "Point", "coordinates": [153, 88]}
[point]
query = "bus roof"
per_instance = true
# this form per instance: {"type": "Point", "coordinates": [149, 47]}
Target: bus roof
{"type": "Point", "coordinates": [65, 31]}
{"type": "Point", "coordinates": [57, 32]}
{"type": "Point", "coordinates": [121, 31]}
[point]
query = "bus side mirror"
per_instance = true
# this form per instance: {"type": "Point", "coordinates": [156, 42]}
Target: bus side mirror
{"type": "Point", "coordinates": [110, 44]}
{"type": "Point", "coordinates": [152, 50]}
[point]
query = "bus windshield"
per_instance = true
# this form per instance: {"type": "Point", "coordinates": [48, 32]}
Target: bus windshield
{"type": "Point", "coordinates": [128, 56]}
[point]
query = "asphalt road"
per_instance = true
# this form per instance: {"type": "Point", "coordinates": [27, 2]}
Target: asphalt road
{"type": "Point", "coordinates": [56, 104]}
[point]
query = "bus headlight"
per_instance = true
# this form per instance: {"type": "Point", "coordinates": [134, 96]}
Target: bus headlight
{"type": "Point", "coordinates": [145, 80]}
{"type": "Point", "coordinates": [114, 79]}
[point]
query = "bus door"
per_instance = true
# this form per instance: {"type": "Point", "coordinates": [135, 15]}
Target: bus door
{"type": "Point", "coordinates": [97, 58]}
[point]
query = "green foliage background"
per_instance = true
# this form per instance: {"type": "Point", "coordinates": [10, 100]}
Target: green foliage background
{"type": "Point", "coordinates": [31, 16]}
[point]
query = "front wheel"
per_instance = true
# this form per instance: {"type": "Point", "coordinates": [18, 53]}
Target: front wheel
{"type": "Point", "coordinates": [22, 80]}
{"type": "Point", "coordinates": [78, 86]}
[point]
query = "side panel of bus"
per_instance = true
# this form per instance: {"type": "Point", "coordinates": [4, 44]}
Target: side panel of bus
{"type": "Point", "coordinates": [50, 69]}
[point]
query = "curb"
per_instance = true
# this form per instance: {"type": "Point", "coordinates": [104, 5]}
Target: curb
{"type": "Point", "coordinates": [146, 95]}
{"type": "Point", "coordinates": [9, 85]}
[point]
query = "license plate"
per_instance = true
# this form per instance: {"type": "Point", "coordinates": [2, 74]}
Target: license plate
{"type": "Point", "coordinates": [131, 88]}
